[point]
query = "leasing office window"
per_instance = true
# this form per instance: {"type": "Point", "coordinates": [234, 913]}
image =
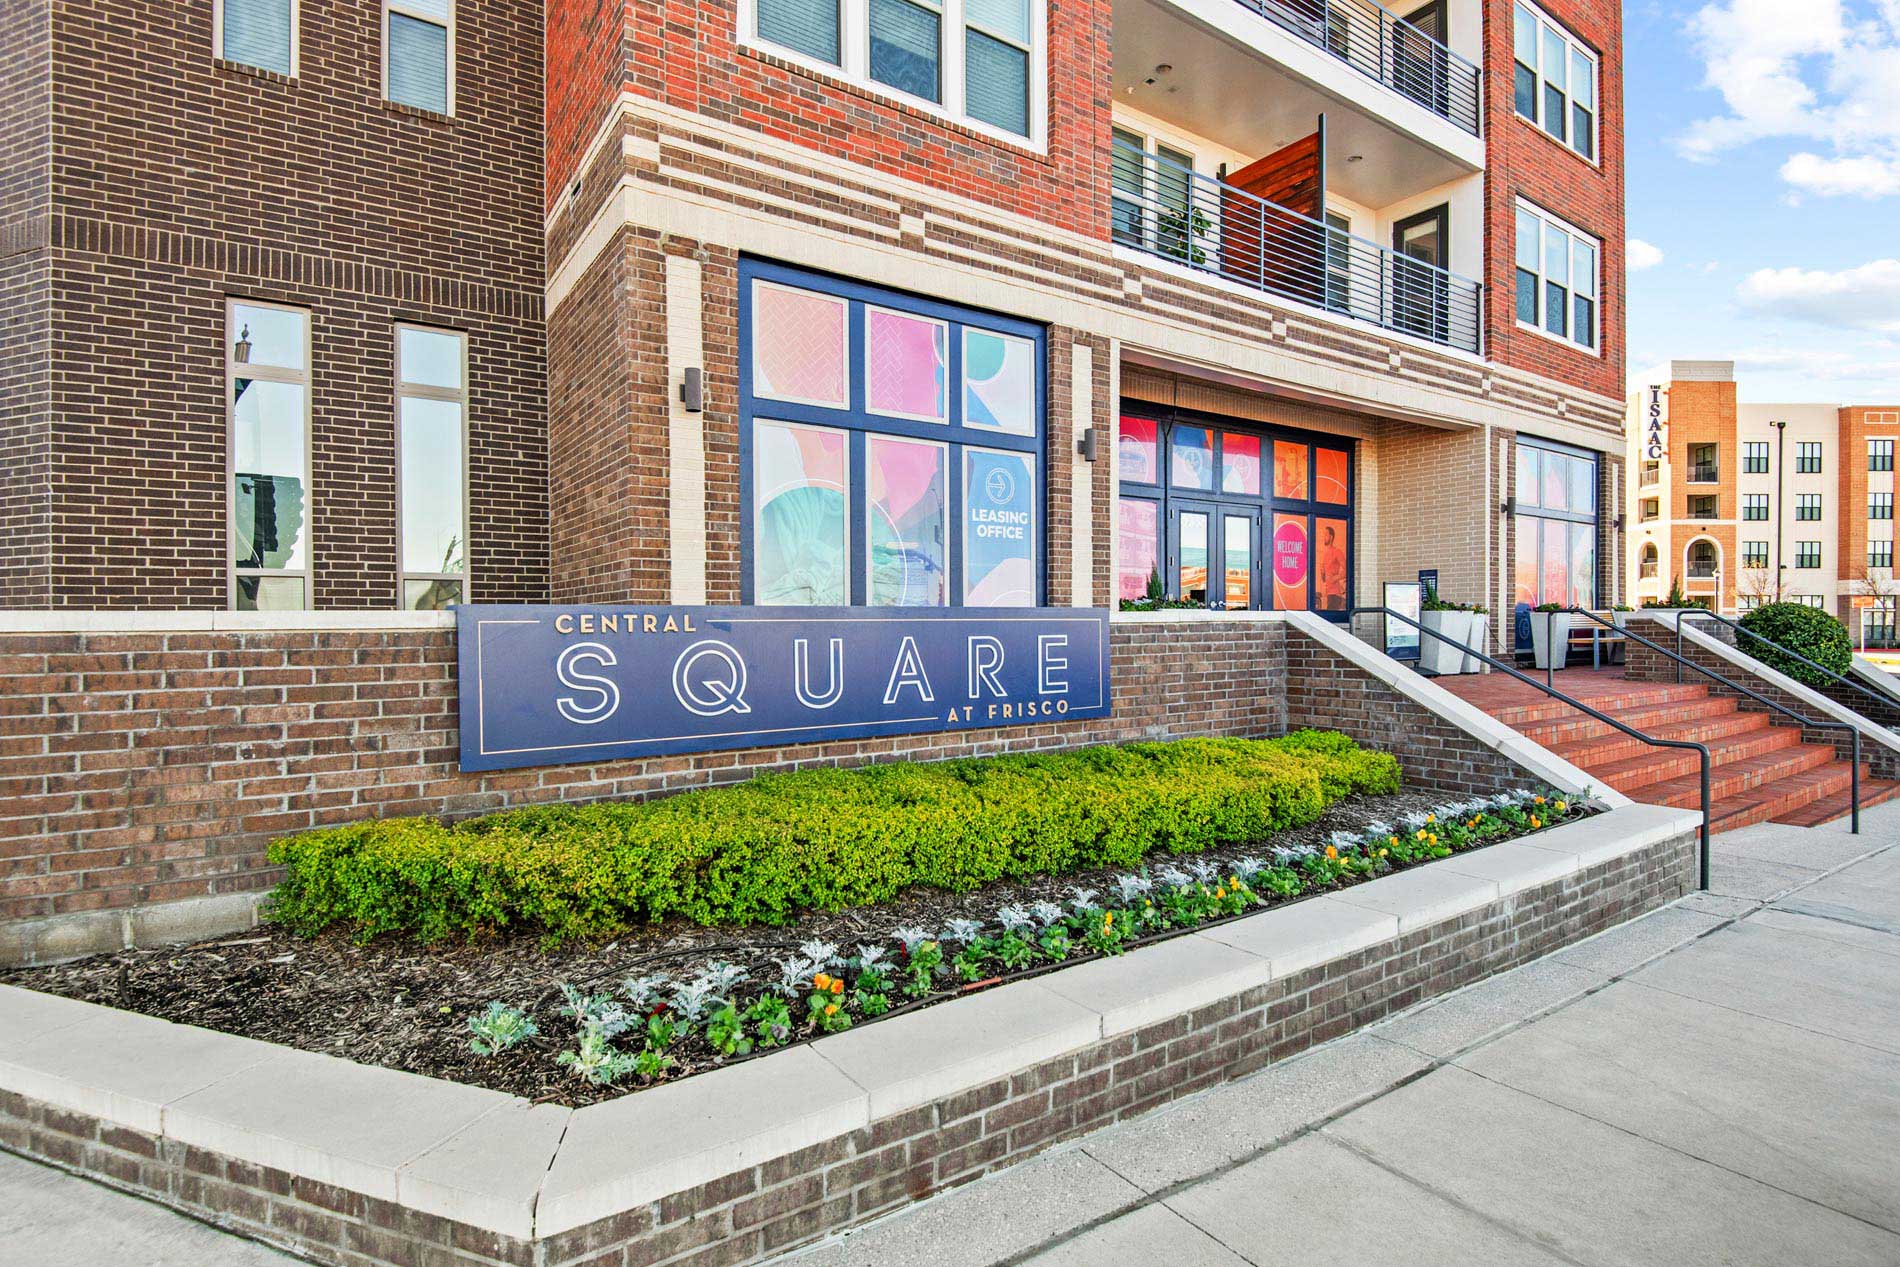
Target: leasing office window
{"type": "Point", "coordinates": [1556, 80]}
{"type": "Point", "coordinates": [431, 449]}
{"type": "Point", "coordinates": [1557, 268]}
{"type": "Point", "coordinates": [890, 448]}
{"type": "Point", "coordinates": [1807, 457]}
{"type": "Point", "coordinates": [419, 54]}
{"type": "Point", "coordinates": [260, 33]}
{"type": "Point", "coordinates": [267, 373]}
{"type": "Point", "coordinates": [1880, 455]}
{"type": "Point", "coordinates": [1807, 506]}
{"type": "Point", "coordinates": [977, 60]}
{"type": "Point", "coordinates": [1755, 457]}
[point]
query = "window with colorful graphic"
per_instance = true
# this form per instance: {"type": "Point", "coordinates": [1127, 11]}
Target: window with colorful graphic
{"type": "Point", "coordinates": [1232, 518]}
{"type": "Point", "coordinates": [890, 447]}
{"type": "Point", "coordinates": [1555, 520]}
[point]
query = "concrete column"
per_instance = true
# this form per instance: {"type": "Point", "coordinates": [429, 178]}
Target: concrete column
{"type": "Point", "coordinates": [685, 433]}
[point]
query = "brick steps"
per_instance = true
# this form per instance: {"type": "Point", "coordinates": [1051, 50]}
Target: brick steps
{"type": "Point", "coordinates": [1758, 771]}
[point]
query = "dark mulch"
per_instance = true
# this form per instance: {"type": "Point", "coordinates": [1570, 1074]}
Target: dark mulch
{"type": "Point", "coordinates": [405, 1005]}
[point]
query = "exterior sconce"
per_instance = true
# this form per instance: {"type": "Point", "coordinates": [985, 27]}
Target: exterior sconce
{"type": "Point", "coordinates": [1090, 446]}
{"type": "Point", "coordinates": [693, 390]}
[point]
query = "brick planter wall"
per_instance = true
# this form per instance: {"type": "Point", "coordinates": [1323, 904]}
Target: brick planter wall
{"type": "Point", "coordinates": [798, 1198]}
{"type": "Point", "coordinates": [142, 768]}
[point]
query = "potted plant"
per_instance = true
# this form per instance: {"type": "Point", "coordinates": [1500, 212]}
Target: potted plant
{"type": "Point", "coordinates": [1550, 635]}
{"type": "Point", "coordinates": [1620, 613]}
{"type": "Point", "coordinates": [1480, 631]}
{"type": "Point", "coordinates": [1446, 654]}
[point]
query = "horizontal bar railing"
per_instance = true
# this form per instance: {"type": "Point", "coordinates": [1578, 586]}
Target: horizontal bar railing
{"type": "Point", "coordinates": [1688, 744]}
{"type": "Point", "coordinates": [1169, 210]}
{"type": "Point", "coordinates": [1805, 722]}
{"type": "Point", "coordinates": [1859, 688]}
{"type": "Point", "coordinates": [1385, 47]}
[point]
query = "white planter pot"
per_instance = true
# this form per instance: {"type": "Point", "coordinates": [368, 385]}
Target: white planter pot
{"type": "Point", "coordinates": [1435, 655]}
{"type": "Point", "coordinates": [1550, 638]}
{"type": "Point", "coordinates": [1478, 640]}
{"type": "Point", "coordinates": [1618, 618]}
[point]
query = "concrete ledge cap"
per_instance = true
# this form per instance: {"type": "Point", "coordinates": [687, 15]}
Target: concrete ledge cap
{"type": "Point", "coordinates": [639, 1148]}
{"type": "Point", "coordinates": [1159, 982]}
{"type": "Point", "coordinates": [953, 1047]}
{"type": "Point", "coordinates": [1421, 896]}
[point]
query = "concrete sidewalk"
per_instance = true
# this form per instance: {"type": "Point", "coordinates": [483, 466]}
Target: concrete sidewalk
{"type": "Point", "coordinates": [1718, 1082]}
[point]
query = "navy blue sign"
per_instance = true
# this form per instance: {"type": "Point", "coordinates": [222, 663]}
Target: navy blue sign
{"type": "Point", "coordinates": [547, 685]}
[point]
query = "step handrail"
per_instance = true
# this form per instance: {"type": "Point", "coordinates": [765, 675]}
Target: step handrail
{"type": "Point", "coordinates": [1703, 613]}
{"type": "Point", "coordinates": [1681, 660]}
{"type": "Point", "coordinates": [1702, 750]}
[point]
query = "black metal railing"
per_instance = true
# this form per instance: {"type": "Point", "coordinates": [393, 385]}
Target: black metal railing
{"type": "Point", "coordinates": [1547, 688]}
{"type": "Point", "coordinates": [1169, 210]}
{"type": "Point", "coordinates": [1706, 473]}
{"type": "Point", "coordinates": [1799, 719]}
{"type": "Point", "coordinates": [1385, 47]}
{"type": "Point", "coordinates": [1859, 688]}
{"type": "Point", "coordinates": [1700, 570]}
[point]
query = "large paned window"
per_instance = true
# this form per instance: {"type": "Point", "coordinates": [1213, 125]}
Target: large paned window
{"type": "Point", "coordinates": [1556, 520]}
{"type": "Point", "coordinates": [1880, 554]}
{"type": "Point", "coordinates": [1880, 505]}
{"type": "Point", "coordinates": [1807, 457]}
{"type": "Point", "coordinates": [1754, 457]}
{"type": "Point", "coordinates": [1755, 506]}
{"type": "Point", "coordinates": [979, 61]}
{"type": "Point", "coordinates": [1880, 455]}
{"type": "Point", "coordinates": [1754, 554]}
{"type": "Point", "coordinates": [267, 373]}
{"type": "Point", "coordinates": [432, 466]}
{"type": "Point", "coordinates": [1555, 79]}
{"type": "Point", "coordinates": [1807, 506]}
{"type": "Point", "coordinates": [419, 54]}
{"type": "Point", "coordinates": [890, 448]}
{"type": "Point", "coordinates": [1231, 515]}
{"type": "Point", "coordinates": [1557, 271]}
{"type": "Point", "coordinates": [1807, 554]}
{"type": "Point", "coordinates": [260, 33]}
{"type": "Point", "coordinates": [1150, 198]}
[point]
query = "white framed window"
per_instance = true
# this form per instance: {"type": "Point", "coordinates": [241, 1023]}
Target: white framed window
{"type": "Point", "coordinates": [419, 54]}
{"type": "Point", "coordinates": [432, 466]}
{"type": "Point", "coordinates": [1556, 79]}
{"type": "Point", "coordinates": [982, 63]}
{"type": "Point", "coordinates": [1151, 197]}
{"type": "Point", "coordinates": [260, 33]}
{"type": "Point", "coordinates": [267, 456]}
{"type": "Point", "coordinates": [1558, 268]}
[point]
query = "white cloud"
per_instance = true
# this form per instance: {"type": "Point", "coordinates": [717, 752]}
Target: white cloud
{"type": "Point", "coordinates": [1830, 365]}
{"type": "Point", "coordinates": [1862, 177]}
{"type": "Point", "coordinates": [1864, 298]}
{"type": "Point", "coordinates": [1819, 70]}
{"type": "Point", "coordinates": [1639, 255]}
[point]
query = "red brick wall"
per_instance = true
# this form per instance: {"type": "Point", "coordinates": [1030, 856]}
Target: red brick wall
{"type": "Point", "coordinates": [1524, 161]}
{"type": "Point", "coordinates": [25, 313]}
{"type": "Point", "coordinates": [684, 53]}
{"type": "Point", "coordinates": [138, 768]}
{"type": "Point", "coordinates": [179, 182]}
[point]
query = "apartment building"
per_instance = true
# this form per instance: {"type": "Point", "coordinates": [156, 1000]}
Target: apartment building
{"type": "Point", "coordinates": [391, 304]}
{"type": "Point", "coordinates": [1742, 504]}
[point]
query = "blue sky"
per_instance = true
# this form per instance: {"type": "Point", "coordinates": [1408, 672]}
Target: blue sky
{"type": "Point", "coordinates": [1764, 193]}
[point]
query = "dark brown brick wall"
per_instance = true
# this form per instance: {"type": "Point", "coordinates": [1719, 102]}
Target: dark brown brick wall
{"type": "Point", "coordinates": [754, 1213]}
{"type": "Point", "coordinates": [25, 314]}
{"type": "Point", "coordinates": [180, 181]}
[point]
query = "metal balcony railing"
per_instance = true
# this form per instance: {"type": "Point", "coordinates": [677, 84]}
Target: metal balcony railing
{"type": "Point", "coordinates": [1704, 473]}
{"type": "Point", "coordinates": [1385, 47]}
{"type": "Point", "coordinates": [1171, 211]}
{"type": "Point", "coordinates": [1702, 570]}
{"type": "Point", "coordinates": [1651, 475]}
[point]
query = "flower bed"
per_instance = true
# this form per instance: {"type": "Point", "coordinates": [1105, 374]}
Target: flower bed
{"type": "Point", "coordinates": [678, 999]}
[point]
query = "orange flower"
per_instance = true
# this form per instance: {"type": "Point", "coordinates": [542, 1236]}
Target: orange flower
{"type": "Point", "coordinates": [822, 981]}
{"type": "Point", "coordinates": [1331, 853]}
{"type": "Point", "coordinates": [837, 985]}
{"type": "Point", "coordinates": [1108, 919]}
{"type": "Point", "coordinates": [831, 1009]}
{"type": "Point", "coordinates": [1539, 800]}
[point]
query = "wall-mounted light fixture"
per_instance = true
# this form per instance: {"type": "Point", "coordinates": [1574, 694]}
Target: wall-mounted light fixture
{"type": "Point", "coordinates": [1089, 446]}
{"type": "Point", "coordinates": [693, 390]}
{"type": "Point", "coordinates": [1504, 508]}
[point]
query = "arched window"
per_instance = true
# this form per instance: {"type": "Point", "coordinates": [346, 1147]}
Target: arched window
{"type": "Point", "coordinates": [1704, 558]}
{"type": "Point", "coordinates": [1646, 565]}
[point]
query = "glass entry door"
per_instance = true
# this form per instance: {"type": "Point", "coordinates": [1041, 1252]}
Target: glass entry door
{"type": "Point", "coordinates": [1216, 560]}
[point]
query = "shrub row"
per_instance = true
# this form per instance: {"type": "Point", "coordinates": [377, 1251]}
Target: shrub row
{"type": "Point", "coordinates": [760, 852]}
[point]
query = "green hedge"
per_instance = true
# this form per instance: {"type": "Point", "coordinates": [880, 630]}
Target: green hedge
{"type": "Point", "coordinates": [760, 852]}
{"type": "Point", "coordinates": [1806, 631]}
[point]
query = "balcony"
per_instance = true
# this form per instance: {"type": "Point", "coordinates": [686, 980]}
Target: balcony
{"type": "Point", "coordinates": [1705, 473]}
{"type": "Point", "coordinates": [1703, 569]}
{"type": "Point", "coordinates": [1387, 49]}
{"type": "Point", "coordinates": [1168, 210]}
{"type": "Point", "coordinates": [1651, 475]}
